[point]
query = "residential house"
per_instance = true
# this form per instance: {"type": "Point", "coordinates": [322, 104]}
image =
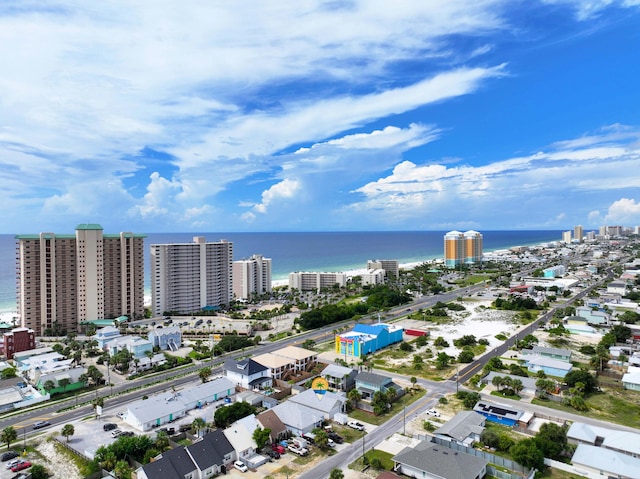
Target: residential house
{"type": "Point", "coordinates": [551, 367]}
{"type": "Point", "coordinates": [631, 380]}
{"type": "Point", "coordinates": [499, 413]}
{"type": "Point", "coordinates": [593, 317]}
{"type": "Point", "coordinates": [368, 384]}
{"type": "Point", "coordinates": [553, 353]}
{"type": "Point", "coordinates": [21, 357]}
{"type": "Point", "coordinates": [617, 287]}
{"type": "Point", "coordinates": [624, 442]}
{"type": "Point", "coordinates": [106, 334]}
{"type": "Point", "coordinates": [464, 428]}
{"type": "Point", "coordinates": [247, 374]}
{"type": "Point", "coordinates": [297, 418]}
{"type": "Point", "coordinates": [325, 407]}
{"type": "Point", "coordinates": [169, 338]}
{"type": "Point", "coordinates": [364, 339]}
{"type": "Point", "coordinates": [599, 461]}
{"type": "Point", "coordinates": [279, 367]}
{"type": "Point", "coordinates": [173, 464]}
{"type": "Point", "coordinates": [269, 420]}
{"type": "Point", "coordinates": [136, 345]}
{"type": "Point", "coordinates": [240, 435]}
{"type": "Point", "coordinates": [528, 383]}
{"type": "Point", "coordinates": [431, 461]}
{"type": "Point", "coordinates": [578, 325]}
{"type": "Point", "coordinates": [63, 381]}
{"type": "Point", "coordinates": [212, 455]}
{"type": "Point", "coordinates": [288, 362]}
{"type": "Point", "coordinates": [339, 377]}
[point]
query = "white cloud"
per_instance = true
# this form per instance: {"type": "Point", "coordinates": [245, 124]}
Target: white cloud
{"type": "Point", "coordinates": [625, 211]}
{"type": "Point", "coordinates": [286, 189]}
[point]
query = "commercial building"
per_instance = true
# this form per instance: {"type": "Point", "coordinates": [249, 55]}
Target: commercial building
{"type": "Point", "coordinates": [190, 277]}
{"type": "Point", "coordinates": [567, 236]}
{"type": "Point", "coordinates": [66, 279]}
{"type": "Point", "coordinates": [313, 281]}
{"type": "Point", "coordinates": [578, 233]}
{"type": "Point", "coordinates": [251, 276]}
{"type": "Point", "coordinates": [462, 248]}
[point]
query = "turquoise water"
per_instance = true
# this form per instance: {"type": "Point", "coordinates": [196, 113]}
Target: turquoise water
{"type": "Point", "coordinates": [319, 251]}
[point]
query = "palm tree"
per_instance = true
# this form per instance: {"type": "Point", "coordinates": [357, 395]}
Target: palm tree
{"type": "Point", "coordinates": [354, 396]}
{"type": "Point", "coordinates": [63, 383]}
{"type": "Point", "coordinates": [48, 385]}
{"type": "Point", "coordinates": [122, 470]}
{"type": "Point", "coordinates": [68, 430]}
{"type": "Point", "coordinates": [198, 424]}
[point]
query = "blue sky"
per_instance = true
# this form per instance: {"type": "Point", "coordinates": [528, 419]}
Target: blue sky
{"type": "Point", "coordinates": [319, 115]}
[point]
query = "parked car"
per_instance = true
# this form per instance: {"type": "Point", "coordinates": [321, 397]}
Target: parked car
{"type": "Point", "coordinates": [300, 451]}
{"type": "Point", "coordinates": [10, 464]}
{"type": "Point", "coordinates": [41, 424]}
{"type": "Point", "coordinates": [335, 437]}
{"type": "Point", "coordinates": [20, 466]}
{"type": "Point", "coordinates": [356, 425]}
{"type": "Point", "coordinates": [433, 412]}
{"type": "Point", "coordinates": [331, 442]}
{"type": "Point", "coordinates": [128, 433]}
{"type": "Point", "coordinates": [240, 466]}
{"type": "Point", "coordinates": [9, 455]}
{"type": "Point", "coordinates": [116, 433]}
{"type": "Point", "coordinates": [273, 454]}
{"type": "Point", "coordinates": [110, 426]}
{"type": "Point", "coordinates": [278, 448]}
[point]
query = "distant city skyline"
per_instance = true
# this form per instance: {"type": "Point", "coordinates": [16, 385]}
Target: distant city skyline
{"type": "Point", "coordinates": [327, 116]}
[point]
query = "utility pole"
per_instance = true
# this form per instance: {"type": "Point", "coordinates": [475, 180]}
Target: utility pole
{"type": "Point", "coordinates": [404, 419]}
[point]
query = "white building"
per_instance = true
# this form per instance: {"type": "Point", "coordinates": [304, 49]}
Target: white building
{"type": "Point", "coordinates": [315, 281]}
{"type": "Point", "coordinates": [390, 266]}
{"type": "Point", "coordinates": [251, 276]}
{"type": "Point", "coordinates": [373, 277]}
{"type": "Point", "coordinates": [189, 277]}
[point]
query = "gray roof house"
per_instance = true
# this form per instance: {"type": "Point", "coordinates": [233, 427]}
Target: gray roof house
{"type": "Point", "coordinates": [605, 462]}
{"type": "Point", "coordinates": [297, 418]}
{"type": "Point", "coordinates": [339, 377]}
{"type": "Point", "coordinates": [554, 353]}
{"type": "Point", "coordinates": [625, 442]}
{"type": "Point", "coordinates": [174, 464]}
{"type": "Point", "coordinates": [464, 428]}
{"type": "Point", "coordinates": [327, 407]}
{"type": "Point", "coordinates": [211, 453]}
{"type": "Point", "coordinates": [431, 461]}
{"type": "Point", "coordinates": [369, 383]}
{"type": "Point", "coordinates": [247, 374]}
{"type": "Point", "coordinates": [240, 435]}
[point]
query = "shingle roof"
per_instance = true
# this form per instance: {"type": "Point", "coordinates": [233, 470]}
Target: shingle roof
{"type": "Point", "coordinates": [270, 420]}
{"type": "Point", "coordinates": [210, 450]}
{"type": "Point", "coordinates": [245, 367]}
{"type": "Point", "coordinates": [174, 464]}
{"type": "Point", "coordinates": [310, 399]}
{"type": "Point", "coordinates": [372, 378]}
{"type": "Point", "coordinates": [441, 461]}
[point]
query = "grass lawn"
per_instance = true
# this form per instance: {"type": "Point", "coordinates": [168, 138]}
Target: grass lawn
{"type": "Point", "coordinates": [551, 473]}
{"type": "Point", "coordinates": [386, 464]}
{"type": "Point", "coordinates": [396, 407]}
{"type": "Point", "coordinates": [514, 397]}
{"type": "Point", "coordinates": [615, 406]}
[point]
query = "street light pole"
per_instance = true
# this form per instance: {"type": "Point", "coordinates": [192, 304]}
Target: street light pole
{"type": "Point", "coordinates": [404, 419]}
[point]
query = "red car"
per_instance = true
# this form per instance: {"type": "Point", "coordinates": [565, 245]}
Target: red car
{"type": "Point", "coordinates": [20, 466]}
{"type": "Point", "coordinates": [277, 448]}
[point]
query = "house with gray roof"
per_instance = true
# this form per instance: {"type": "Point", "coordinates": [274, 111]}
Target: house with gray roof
{"type": "Point", "coordinates": [247, 374]}
{"type": "Point", "coordinates": [339, 377]}
{"type": "Point", "coordinates": [173, 464]}
{"type": "Point", "coordinates": [212, 454]}
{"type": "Point", "coordinates": [464, 428]}
{"type": "Point", "coordinates": [326, 406]}
{"type": "Point", "coordinates": [625, 442]}
{"type": "Point", "coordinates": [554, 353]}
{"type": "Point", "coordinates": [240, 435]}
{"type": "Point", "coordinates": [431, 461]}
{"type": "Point", "coordinates": [208, 392]}
{"type": "Point", "coordinates": [298, 419]}
{"type": "Point", "coordinates": [368, 384]}
{"type": "Point", "coordinates": [602, 462]}
{"type": "Point", "coordinates": [550, 366]}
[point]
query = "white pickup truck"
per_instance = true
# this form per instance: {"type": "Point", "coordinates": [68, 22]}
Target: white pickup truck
{"type": "Point", "coordinates": [300, 451]}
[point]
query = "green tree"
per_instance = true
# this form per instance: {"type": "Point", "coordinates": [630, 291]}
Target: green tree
{"type": "Point", "coordinates": [204, 374]}
{"type": "Point", "coordinates": [49, 385]}
{"type": "Point", "coordinates": [63, 383]}
{"type": "Point", "coordinates": [322, 438]}
{"type": "Point", "coordinates": [9, 435]}
{"type": "Point", "coordinates": [336, 474]}
{"type": "Point", "coordinates": [465, 356]}
{"type": "Point", "coordinates": [122, 470]}
{"type": "Point", "coordinates": [581, 376]}
{"type": "Point", "coordinates": [162, 441]}
{"type": "Point", "coordinates": [413, 380]}
{"type": "Point", "coordinates": [354, 396]}
{"type": "Point", "coordinates": [198, 425]}
{"type": "Point", "coordinates": [442, 360]}
{"type": "Point", "coordinates": [551, 439]}
{"type": "Point", "coordinates": [68, 430]}
{"type": "Point", "coordinates": [527, 454]}
{"type": "Point", "coordinates": [38, 471]}
{"type": "Point", "coordinates": [261, 436]}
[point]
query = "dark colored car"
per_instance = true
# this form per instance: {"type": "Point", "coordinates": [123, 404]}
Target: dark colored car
{"type": "Point", "coordinates": [273, 454]}
{"type": "Point", "coordinates": [128, 433]}
{"type": "Point", "coordinates": [41, 424]}
{"type": "Point", "coordinates": [9, 455]}
{"type": "Point", "coordinates": [335, 437]}
{"type": "Point", "coordinates": [109, 426]}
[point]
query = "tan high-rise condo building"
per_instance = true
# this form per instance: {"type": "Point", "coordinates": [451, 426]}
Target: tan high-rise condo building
{"type": "Point", "coordinates": [65, 279]}
{"type": "Point", "coordinates": [251, 276]}
{"type": "Point", "coordinates": [462, 248]}
{"type": "Point", "coordinates": [187, 278]}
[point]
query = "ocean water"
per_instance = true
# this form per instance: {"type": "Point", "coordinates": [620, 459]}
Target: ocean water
{"type": "Point", "coordinates": [318, 251]}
